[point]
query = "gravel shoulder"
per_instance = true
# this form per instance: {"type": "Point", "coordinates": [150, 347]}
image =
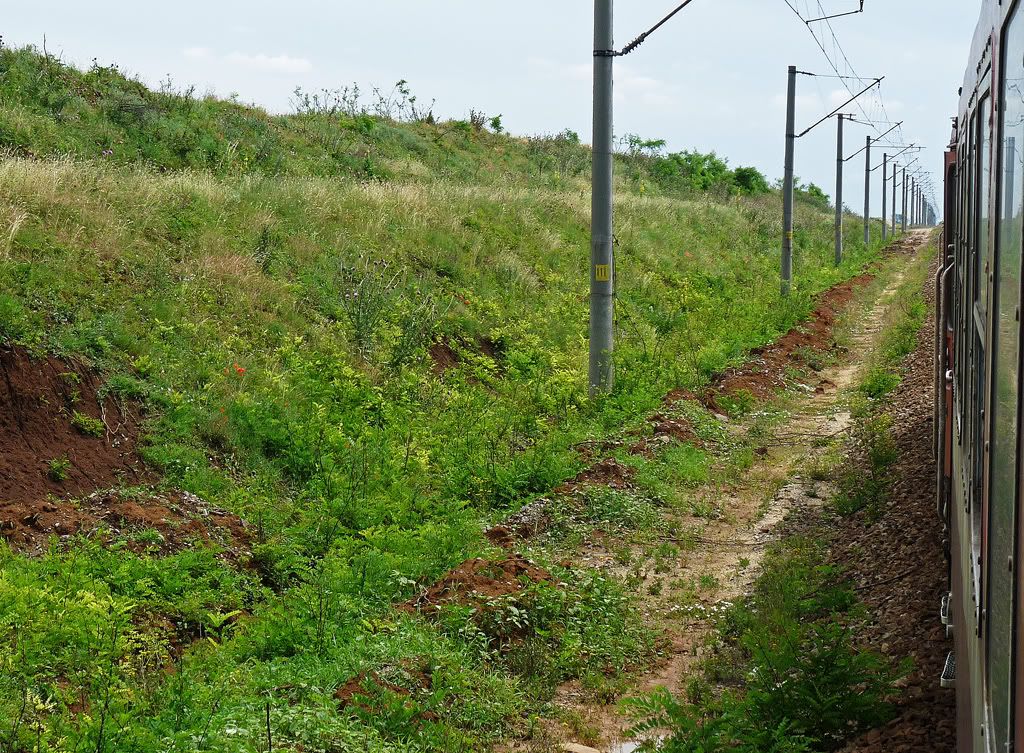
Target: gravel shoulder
{"type": "Point", "coordinates": [900, 572]}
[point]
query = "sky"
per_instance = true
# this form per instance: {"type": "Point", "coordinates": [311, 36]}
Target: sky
{"type": "Point", "coordinates": [712, 79]}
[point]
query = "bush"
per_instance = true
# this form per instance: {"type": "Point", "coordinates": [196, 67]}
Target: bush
{"type": "Point", "coordinates": [750, 180]}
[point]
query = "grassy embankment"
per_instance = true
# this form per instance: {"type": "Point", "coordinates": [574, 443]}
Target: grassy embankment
{"type": "Point", "coordinates": [268, 288]}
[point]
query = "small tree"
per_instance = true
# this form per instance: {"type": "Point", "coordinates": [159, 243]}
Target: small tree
{"type": "Point", "coordinates": [750, 180]}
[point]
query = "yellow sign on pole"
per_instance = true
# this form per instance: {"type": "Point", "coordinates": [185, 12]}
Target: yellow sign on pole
{"type": "Point", "coordinates": [603, 272]}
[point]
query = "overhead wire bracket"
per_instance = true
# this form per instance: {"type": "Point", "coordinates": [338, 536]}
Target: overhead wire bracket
{"type": "Point", "coordinates": [642, 38]}
{"type": "Point", "coordinates": [865, 90]}
{"type": "Point", "coordinates": [837, 15]}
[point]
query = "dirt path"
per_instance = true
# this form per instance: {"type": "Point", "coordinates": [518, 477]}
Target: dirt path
{"type": "Point", "coordinates": [898, 567]}
{"type": "Point", "coordinates": [727, 550]}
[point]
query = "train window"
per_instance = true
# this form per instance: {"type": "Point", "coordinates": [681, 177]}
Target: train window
{"type": "Point", "coordinates": [1005, 387]}
{"type": "Point", "coordinates": [981, 240]}
{"type": "Point", "coordinates": [962, 277]}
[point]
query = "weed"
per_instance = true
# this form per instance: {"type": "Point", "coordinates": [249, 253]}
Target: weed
{"type": "Point", "coordinates": [149, 538]}
{"type": "Point", "coordinates": [879, 382]}
{"type": "Point", "coordinates": [57, 469]}
{"type": "Point", "coordinates": [865, 485]}
{"type": "Point", "coordinates": [92, 427]}
{"type": "Point", "coordinates": [709, 583]}
{"type": "Point", "coordinates": [738, 404]}
{"type": "Point", "coordinates": [620, 510]}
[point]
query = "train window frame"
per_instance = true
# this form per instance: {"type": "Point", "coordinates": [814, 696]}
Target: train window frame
{"type": "Point", "coordinates": [976, 343]}
{"type": "Point", "coordinates": [982, 225]}
{"type": "Point", "coordinates": [961, 262]}
{"type": "Point", "coordinates": [981, 372]}
{"type": "Point", "coordinates": [962, 278]}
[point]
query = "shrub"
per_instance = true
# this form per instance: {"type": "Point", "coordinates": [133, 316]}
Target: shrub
{"type": "Point", "coordinates": [750, 180]}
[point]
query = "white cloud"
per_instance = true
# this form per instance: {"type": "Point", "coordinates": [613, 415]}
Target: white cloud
{"type": "Point", "coordinates": [196, 53]}
{"type": "Point", "coordinates": [630, 87]}
{"type": "Point", "coordinates": [270, 63]}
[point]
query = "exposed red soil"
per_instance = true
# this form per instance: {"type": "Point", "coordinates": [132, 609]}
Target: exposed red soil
{"type": "Point", "coordinates": [478, 580]}
{"type": "Point", "coordinates": [179, 518]}
{"type": "Point", "coordinates": [447, 353]}
{"type": "Point", "coordinates": [665, 431]}
{"type": "Point", "coordinates": [363, 692]}
{"type": "Point", "coordinates": [764, 374]}
{"type": "Point", "coordinates": [678, 394]}
{"type": "Point", "coordinates": [501, 535]}
{"type": "Point", "coordinates": [443, 356]}
{"type": "Point", "coordinates": [38, 402]}
{"type": "Point", "coordinates": [593, 449]}
{"type": "Point", "coordinates": [608, 472]}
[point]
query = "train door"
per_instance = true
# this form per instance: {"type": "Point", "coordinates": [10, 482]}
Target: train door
{"type": "Point", "coordinates": [1006, 211]}
{"type": "Point", "coordinates": [1004, 662]}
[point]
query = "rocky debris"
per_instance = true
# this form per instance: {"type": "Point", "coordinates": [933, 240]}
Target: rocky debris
{"type": "Point", "coordinates": [151, 522]}
{"type": "Point", "coordinates": [532, 520]}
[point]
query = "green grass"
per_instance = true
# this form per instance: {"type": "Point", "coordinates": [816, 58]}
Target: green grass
{"type": "Point", "coordinates": [268, 288]}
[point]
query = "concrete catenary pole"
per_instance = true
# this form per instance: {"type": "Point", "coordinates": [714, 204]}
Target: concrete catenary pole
{"type": "Point", "coordinates": [885, 194]}
{"type": "Point", "coordinates": [1011, 175]}
{"type": "Point", "coordinates": [787, 184]}
{"type": "Point", "coordinates": [903, 213]}
{"type": "Point", "coordinates": [894, 199]}
{"type": "Point", "coordinates": [867, 193]}
{"type": "Point", "coordinates": [839, 191]}
{"type": "Point", "coordinates": [913, 202]}
{"type": "Point", "coordinates": [602, 265]}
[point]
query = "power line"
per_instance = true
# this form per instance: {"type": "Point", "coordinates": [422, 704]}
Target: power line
{"type": "Point", "coordinates": [839, 51]}
{"type": "Point", "coordinates": [643, 37]}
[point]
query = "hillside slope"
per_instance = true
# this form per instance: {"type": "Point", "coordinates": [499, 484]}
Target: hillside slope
{"type": "Point", "coordinates": [328, 348]}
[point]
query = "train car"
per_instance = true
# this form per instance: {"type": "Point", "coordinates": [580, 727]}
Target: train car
{"type": "Point", "coordinates": [978, 388]}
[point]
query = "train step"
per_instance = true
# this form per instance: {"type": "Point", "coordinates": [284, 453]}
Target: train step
{"type": "Point", "coordinates": [945, 608]}
{"type": "Point", "coordinates": [948, 679]}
